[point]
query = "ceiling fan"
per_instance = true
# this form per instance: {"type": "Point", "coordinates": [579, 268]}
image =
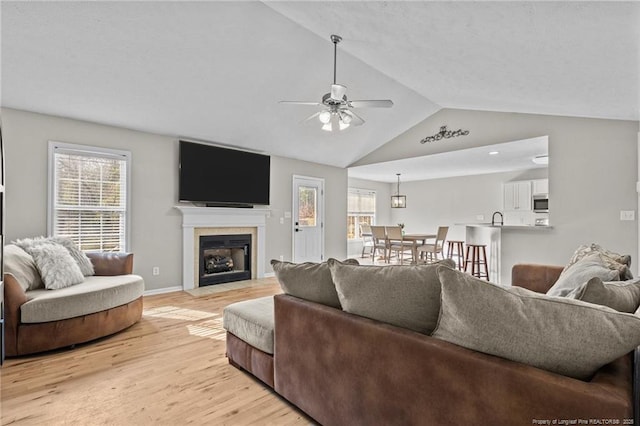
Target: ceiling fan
{"type": "Point", "coordinates": [337, 112]}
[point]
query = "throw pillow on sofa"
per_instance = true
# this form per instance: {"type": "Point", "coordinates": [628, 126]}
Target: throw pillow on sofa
{"type": "Point", "coordinates": [85, 265]}
{"type": "Point", "coordinates": [20, 264]}
{"type": "Point", "coordinates": [403, 295]}
{"type": "Point", "coordinates": [57, 267]}
{"type": "Point", "coordinates": [614, 261]}
{"type": "Point", "coordinates": [623, 296]}
{"type": "Point", "coordinates": [309, 281]}
{"type": "Point", "coordinates": [565, 336]}
{"type": "Point", "coordinates": [582, 271]}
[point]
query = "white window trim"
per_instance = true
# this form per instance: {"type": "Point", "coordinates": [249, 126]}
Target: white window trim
{"type": "Point", "coordinates": [96, 152]}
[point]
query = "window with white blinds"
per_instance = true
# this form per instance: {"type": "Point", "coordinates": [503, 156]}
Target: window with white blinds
{"type": "Point", "coordinates": [361, 209]}
{"type": "Point", "coordinates": [89, 196]}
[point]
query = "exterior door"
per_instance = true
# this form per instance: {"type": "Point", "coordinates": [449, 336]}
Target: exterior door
{"type": "Point", "coordinates": [308, 219]}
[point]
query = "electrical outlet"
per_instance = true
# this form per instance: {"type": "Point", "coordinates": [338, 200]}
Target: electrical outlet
{"type": "Point", "coordinates": [287, 215]}
{"type": "Point", "coordinates": [627, 215]}
{"type": "Point", "coordinates": [156, 270]}
{"type": "Point", "coordinates": [282, 221]}
{"type": "Point", "coordinates": [281, 257]}
{"type": "Point", "coordinates": [479, 217]}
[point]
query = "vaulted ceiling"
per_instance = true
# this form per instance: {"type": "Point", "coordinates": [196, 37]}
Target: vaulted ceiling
{"type": "Point", "coordinates": [215, 71]}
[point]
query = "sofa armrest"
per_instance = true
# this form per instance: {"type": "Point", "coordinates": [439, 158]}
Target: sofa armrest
{"type": "Point", "coordinates": [14, 298]}
{"type": "Point", "coordinates": [539, 278]}
{"type": "Point", "coordinates": [111, 263]}
{"type": "Point", "coordinates": [345, 369]}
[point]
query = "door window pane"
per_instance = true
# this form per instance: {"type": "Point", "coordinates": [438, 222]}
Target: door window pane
{"type": "Point", "coordinates": [307, 206]}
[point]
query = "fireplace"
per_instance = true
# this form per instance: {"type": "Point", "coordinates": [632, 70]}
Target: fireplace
{"type": "Point", "coordinates": [224, 258]}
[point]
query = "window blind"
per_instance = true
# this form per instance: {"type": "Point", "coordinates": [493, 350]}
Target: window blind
{"type": "Point", "coordinates": [90, 199]}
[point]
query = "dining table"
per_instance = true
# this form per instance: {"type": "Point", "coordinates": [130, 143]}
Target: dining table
{"type": "Point", "coordinates": [415, 239]}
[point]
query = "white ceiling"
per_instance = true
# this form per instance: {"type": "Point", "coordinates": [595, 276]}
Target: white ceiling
{"type": "Point", "coordinates": [507, 157]}
{"type": "Point", "coordinates": [215, 71]}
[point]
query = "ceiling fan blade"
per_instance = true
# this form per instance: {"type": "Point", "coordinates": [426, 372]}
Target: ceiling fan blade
{"type": "Point", "coordinates": [356, 120]}
{"type": "Point", "coordinates": [384, 103]}
{"type": "Point", "coordinates": [300, 103]}
{"type": "Point", "coordinates": [311, 117]}
{"type": "Point", "coordinates": [338, 91]}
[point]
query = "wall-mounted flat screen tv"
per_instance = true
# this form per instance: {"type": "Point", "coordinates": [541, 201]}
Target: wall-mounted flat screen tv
{"type": "Point", "coordinates": [220, 176]}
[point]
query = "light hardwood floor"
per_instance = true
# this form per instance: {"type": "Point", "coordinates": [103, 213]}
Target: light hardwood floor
{"type": "Point", "coordinates": [168, 369]}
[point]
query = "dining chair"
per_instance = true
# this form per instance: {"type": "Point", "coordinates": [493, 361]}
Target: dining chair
{"type": "Point", "coordinates": [397, 243]}
{"type": "Point", "coordinates": [367, 238]}
{"type": "Point", "coordinates": [380, 242]}
{"type": "Point", "coordinates": [432, 250]}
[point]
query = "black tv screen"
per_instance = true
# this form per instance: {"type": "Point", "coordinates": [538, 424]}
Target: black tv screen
{"type": "Point", "coordinates": [222, 176]}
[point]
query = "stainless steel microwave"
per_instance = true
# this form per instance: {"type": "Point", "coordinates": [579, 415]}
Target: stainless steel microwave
{"type": "Point", "coordinates": [541, 203]}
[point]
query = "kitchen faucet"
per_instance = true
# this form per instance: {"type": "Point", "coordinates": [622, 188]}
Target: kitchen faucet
{"type": "Point", "coordinates": [493, 218]}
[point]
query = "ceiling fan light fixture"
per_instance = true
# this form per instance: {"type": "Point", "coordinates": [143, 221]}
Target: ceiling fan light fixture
{"type": "Point", "coordinates": [343, 125]}
{"type": "Point", "coordinates": [324, 117]}
{"type": "Point", "coordinates": [345, 117]}
{"type": "Point", "coordinates": [327, 127]}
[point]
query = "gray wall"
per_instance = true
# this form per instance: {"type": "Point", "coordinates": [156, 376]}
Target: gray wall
{"type": "Point", "coordinates": [592, 175]}
{"type": "Point", "coordinates": [156, 226]}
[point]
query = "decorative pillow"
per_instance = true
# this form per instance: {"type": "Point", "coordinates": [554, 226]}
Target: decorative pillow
{"type": "Point", "coordinates": [20, 264]}
{"type": "Point", "coordinates": [582, 271]}
{"type": "Point", "coordinates": [86, 267]}
{"type": "Point", "coordinates": [612, 260]}
{"type": "Point", "coordinates": [623, 296]}
{"type": "Point", "coordinates": [561, 335]}
{"type": "Point", "coordinates": [309, 281]}
{"type": "Point", "coordinates": [57, 267]}
{"type": "Point", "coordinates": [403, 295]}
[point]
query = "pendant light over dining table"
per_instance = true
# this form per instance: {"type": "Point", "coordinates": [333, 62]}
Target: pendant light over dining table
{"type": "Point", "coordinates": [398, 201]}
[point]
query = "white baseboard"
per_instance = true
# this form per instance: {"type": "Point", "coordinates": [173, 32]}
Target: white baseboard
{"type": "Point", "coordinates": [161, 290]}
{"type": "Point", "coordinates": [269, 274]}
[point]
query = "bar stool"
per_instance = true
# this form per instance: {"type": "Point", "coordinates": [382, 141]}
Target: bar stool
{"type": "Point", "coordinates": [456, 248]}
{"type": "Point", "coordinates": [477, 257]}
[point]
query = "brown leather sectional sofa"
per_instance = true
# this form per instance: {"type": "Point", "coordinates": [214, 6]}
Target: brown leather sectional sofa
{"type": "Point", "coordinates": [344, 369]}
{"type": "Point", "coordinates": [25, 338]}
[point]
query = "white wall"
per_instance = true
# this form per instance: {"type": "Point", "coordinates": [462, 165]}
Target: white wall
{"type": "Point", "coordinates": [156, 226]}
{"type": "Point", "coordinates": [592, 175]}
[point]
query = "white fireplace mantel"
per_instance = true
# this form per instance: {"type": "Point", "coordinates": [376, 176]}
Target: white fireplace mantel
{"type": "Point", "coordinates": [219, 217]}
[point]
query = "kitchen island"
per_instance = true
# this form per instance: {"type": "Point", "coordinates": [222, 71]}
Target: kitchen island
{"type": "Point", "coordinates": [491, 235]}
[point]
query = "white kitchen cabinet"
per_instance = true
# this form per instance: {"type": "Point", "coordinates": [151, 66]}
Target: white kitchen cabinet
{"type": "Point", "coordinates": [517, 195]}
{"type": "Point", "coordinates": [540, 186]}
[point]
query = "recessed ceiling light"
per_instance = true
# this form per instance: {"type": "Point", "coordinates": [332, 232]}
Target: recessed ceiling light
{"type": "Point", "coordinates": [541, 159]}
{"type": "Point", "coordinates": [494, 153]}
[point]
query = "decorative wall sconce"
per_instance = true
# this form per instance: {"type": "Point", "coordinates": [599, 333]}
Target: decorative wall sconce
{"type": "Point", "coordinates": [446, 134]}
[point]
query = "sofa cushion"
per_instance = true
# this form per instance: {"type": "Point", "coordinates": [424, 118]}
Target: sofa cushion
{"type": "Point", "coordinates": [95, 294]}
{"type": "Point", "coordinates": [614, 261]}
{"type": "Point", "coordinates": [252, 321]}
{"type": "Point", "coordinates": [85, 265]}
{"type": "Point", "coordinates": [623, 296]}
{"type": "Point", "coordinates": [404, 295]}
{"type": "Point", "coordinates": [81, 259]}
{"type": "Point", "coordinates": [582, 271]}
{"type": "Point", "coordinates": [565, 336]}
{"type": "Point", "coordinates": [20, 264]}
{"type": "Point", "coordinates": [309, 281]}
{"type": "Point", "coordinates": [57, 267]}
